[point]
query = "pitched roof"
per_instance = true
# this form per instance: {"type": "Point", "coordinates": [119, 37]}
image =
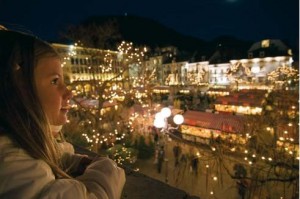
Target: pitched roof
{"type": "Point", "coordinates": [227, 123]}
{"type": "Point", "coordinates": [253, 98]}
{"type": "Point", "coordinates": [275, 48]}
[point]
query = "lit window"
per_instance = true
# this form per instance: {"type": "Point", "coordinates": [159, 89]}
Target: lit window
{"type": "Point", "coordinates": [265, 43]}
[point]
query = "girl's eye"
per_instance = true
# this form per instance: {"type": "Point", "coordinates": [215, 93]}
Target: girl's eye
{"type": "Point", "coordinates": [54, 81]}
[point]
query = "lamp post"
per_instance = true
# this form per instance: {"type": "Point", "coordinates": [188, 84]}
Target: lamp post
{"type": "Point", "coordinates": [161, 121]}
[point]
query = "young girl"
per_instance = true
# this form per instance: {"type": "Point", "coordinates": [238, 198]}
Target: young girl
{"type": "Point", "coordinates": [33, 97]}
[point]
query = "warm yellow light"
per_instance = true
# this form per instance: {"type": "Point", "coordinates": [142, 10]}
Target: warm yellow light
{"type": "Point", "coordinates": [159, 123]}
{"type": "Point", "coordinates": [255, 69]}
{"type": "Point", "coordinates": [166, 112]}
{"type": "Point", "coordinates": [178, 119]}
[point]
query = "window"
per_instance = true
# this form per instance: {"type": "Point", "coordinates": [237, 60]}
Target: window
{"type": "Point", "coordinates": [265, 43]}
{"type": "Point", "coordinates": [250, 55]}
{"type": "Point", "coordinates": [261, 54]}
{"type": "Point", "coordinates": [260, 79]}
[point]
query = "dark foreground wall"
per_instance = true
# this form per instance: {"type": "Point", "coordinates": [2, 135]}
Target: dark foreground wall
{"type": "Point", "coordinates": [140, 186]}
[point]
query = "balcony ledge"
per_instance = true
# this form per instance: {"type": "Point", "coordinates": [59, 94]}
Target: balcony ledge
{"type": "Point", "coordinates": [140, 186]}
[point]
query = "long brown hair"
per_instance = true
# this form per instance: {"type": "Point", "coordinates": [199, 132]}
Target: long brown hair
{"type": "Point", "coordinates": [21, 115]}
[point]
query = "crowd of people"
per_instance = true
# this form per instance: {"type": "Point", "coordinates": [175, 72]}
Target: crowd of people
{"type": "Point", "coordinates": [180, 159]}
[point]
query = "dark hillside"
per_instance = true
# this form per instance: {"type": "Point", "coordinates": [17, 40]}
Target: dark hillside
{"type": "Point", "coordinates": [147, 31]}
{"type": "Point", "coordinates": [144, 31]}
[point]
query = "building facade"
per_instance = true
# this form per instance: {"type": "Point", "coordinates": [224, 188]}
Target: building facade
{"type": "Point", "coordinates": [82, 65]}
{"type": "Point", "coordinates": [250, 71]}
{"type": "Point", "coordinates": [85, 67]}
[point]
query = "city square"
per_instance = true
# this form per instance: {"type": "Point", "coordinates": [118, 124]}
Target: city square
{"type": "Point", "coordinates": [189, 100]}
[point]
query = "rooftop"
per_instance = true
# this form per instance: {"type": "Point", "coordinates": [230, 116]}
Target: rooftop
{"type": "Point", "coordinates": [229, 123]}
{"type": "Point", "coordinates": [253, 98]}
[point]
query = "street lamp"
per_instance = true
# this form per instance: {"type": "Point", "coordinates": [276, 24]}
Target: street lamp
{"type": "Point", "coordinates": [161, 121]}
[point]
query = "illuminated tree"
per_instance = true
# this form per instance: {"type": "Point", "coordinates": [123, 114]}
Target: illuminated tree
{"type": "Point", "coordinates": [100, 111]}
{"type": "Point", "coordinates": [284, 77]}
{"type": "Point", "coordinates": [268, 147]}
{"type": "Point", "coordinates": [142, 84]}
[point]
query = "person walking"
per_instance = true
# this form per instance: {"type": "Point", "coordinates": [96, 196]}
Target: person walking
{"type": "Point", "coordinates": [183, 161]}
{"type": "Point", "coordinates": [176, 152]}
{"type": "Point", "coordinates": [160, 159]}
{"type": "Point", "coordinates": [242, 187]}
{"type": "Point", "coordinates": [194, 164]}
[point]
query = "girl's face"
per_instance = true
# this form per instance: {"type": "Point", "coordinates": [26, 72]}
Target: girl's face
{"type": "Point", "coordinates": [51, 90]}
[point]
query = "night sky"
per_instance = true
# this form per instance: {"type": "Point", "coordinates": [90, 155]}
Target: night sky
{"type": "Point", "coordinates": [205, 19]}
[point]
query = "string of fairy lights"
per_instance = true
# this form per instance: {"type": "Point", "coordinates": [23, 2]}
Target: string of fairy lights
{"type": "Point", "coordinates": [112, 66]}
{"type": "Point", "coordinates": [286, 144]}
{"type": "Point", "coordinates": [128, 55]}
{"type": "Point", "coordinates": [272, 162]}
{"type": "Point", "coordinates": [235, 68]}
{"type": "Point", "coordinates": [282, 73]}
{"type": "Point", "coordinates": [286, 150]}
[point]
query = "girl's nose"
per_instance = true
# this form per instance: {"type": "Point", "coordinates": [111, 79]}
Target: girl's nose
{"type": "Point", "coordinates": [68, 94]}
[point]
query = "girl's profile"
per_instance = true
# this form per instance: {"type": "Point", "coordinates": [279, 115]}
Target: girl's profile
{"type": "Point", "coordinates": [34, 99]}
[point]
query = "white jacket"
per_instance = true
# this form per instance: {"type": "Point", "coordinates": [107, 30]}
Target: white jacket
{"type": "Point", "coordinates": [22, 176]}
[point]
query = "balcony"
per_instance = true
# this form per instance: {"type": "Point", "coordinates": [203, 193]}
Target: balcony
{"type": "Point", "coordinates": [140, 186]}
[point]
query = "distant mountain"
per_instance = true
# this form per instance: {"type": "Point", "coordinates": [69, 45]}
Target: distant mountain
{"type": "Point", "coordinates": [145, 31]}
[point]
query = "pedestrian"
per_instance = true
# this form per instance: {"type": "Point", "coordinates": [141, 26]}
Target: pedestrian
{"type": "Point", "coordinates": [156, 137]}
{"type": "Point", "coordinates": [242, 186]}
{"type": "Point", "coordinates": [176, 152]}
{"type": "Point", "coordinates": [156, 155]}
{"type": "Point", "coordinates": [183, 159]}
{"type": "Point", "coordinates": [160, 159]}
{"type": "Point", "coordinates": [183, 162]}
{"type": "Point", "coordinates": [194, 164]}
{"type": "Point", "coordinates": [33, 97]}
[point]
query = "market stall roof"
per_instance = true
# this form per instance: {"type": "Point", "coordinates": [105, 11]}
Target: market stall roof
{"type": "Point", "coordinates": [254, 98]}
{"type": "Point", "coordinates": [227, 123]}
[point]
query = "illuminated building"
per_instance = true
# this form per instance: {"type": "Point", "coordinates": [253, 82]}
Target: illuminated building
{"type": "Point", "coordinates": [85, 66]}
{"type": "Point", "coordinates": [171, 69]}
{"type": "Point", "coordinates": [250, 70]}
